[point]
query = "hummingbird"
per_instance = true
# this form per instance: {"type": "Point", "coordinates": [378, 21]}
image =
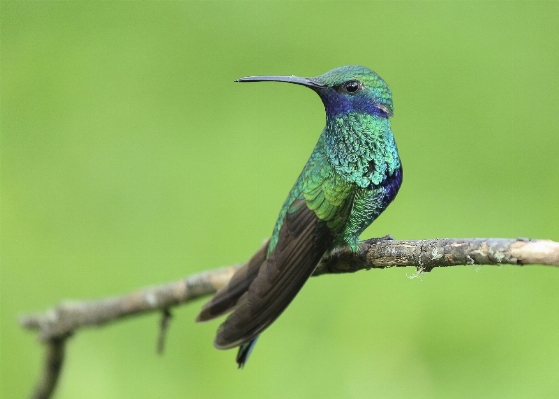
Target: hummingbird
{"type": "Point", "coordinates": [352, 175]}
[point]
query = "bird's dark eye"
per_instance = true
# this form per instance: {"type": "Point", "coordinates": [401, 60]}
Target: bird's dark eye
{"type": "Point", "coordinates": [353, 86]}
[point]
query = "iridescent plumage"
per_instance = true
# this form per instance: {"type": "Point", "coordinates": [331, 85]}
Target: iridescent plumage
{"type": "Point", "coordinates": [352, 175]}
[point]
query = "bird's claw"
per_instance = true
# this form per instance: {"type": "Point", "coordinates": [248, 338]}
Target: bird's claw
{"type": "Point", "coordinates": [387, 237]}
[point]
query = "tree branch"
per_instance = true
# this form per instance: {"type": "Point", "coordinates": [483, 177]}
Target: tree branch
{"type": "Point", "coordinates": [57, 324]}
{"type": "Point", "coordinates": [69, 316]}
{"type": "Point", "coordinates": [425, 255]}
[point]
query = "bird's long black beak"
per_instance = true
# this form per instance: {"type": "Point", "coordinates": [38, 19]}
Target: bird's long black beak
{"type": "Point", "coordinates": [288, 79]}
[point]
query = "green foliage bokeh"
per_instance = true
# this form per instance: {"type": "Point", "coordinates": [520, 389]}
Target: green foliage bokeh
{"type": "Point", "coordinates": [129, 157]}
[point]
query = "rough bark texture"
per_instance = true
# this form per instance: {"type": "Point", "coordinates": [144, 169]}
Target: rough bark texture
{"type": "Point", "coordinates": [428, 254]}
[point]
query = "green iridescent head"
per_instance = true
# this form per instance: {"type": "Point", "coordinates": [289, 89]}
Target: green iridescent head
{"type": "Point", "coordinates": [345, 89]}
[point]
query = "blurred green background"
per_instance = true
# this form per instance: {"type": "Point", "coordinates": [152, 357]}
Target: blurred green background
{"type": "Point", "coordinates": [130, 158]}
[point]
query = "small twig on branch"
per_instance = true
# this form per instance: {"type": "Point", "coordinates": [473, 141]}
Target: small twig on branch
{"type": "Point", "coordinates": [56, 324]}
{"type": "Point", "coordinates": [163, 327]}
{"type": "Point", "coordinates": [54, 358]}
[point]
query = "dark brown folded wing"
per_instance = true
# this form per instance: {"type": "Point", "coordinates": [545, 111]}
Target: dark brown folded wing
{"type": "Point", "coordinates": [225, 299]}
{"type": "Point", "coordinates": [303, 239]}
